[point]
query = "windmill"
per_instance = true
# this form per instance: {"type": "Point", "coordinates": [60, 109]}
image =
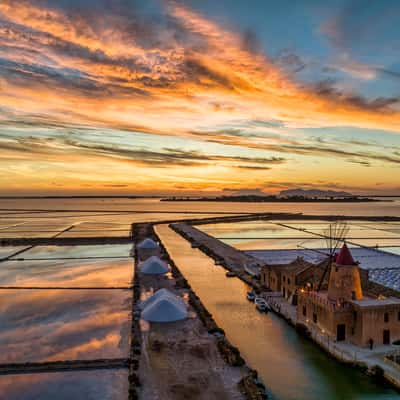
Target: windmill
{"type": "Point", "coordinates": [334, 234]}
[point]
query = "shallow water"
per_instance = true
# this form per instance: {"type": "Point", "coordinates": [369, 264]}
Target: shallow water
{"type": "Point", "coordinates": [82, 385]}
{"type": "Point", "coordinates": [255, 235]}
{"type": "Point", "coordinates": [155, 206]}
{"type": "Point", "coordinates": [55, 325]}
{"type": "Point", "coordinates": [81, 251]}
{"type": "Point", "coordinates": [45, 218]}
{"type": "Point", "coordinates": [290, 366]}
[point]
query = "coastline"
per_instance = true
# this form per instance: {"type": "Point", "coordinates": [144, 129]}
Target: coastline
{"type": "Point", "coordinates": [274, 199]}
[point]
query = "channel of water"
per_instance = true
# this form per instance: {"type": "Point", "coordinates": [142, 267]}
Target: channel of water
{"type": "Point", "coordinates": [292, 367]}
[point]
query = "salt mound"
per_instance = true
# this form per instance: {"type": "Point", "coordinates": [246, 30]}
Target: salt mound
{"type": "Point", "coordinates": [164, 309]}
{"type": "Point", "coordinates": [147, 243]}
{"type": "Point", "coordinates": [153, 265]}
{"type": "Point", "coordinates": [163, 293]}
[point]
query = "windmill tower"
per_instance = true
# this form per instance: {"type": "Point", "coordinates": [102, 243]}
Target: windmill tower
{"type": "Point", "coordinates": [344, 278]}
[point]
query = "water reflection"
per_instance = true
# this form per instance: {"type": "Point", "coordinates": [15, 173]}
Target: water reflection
{"type": "Point", "coordinates": [291, 367]}
{"type": "Point", "coordinates": [76, 273]}
{"type": "Point", "coordinates": [154, 205]}
{"type": "Point", "coordinates": [277, 244]}
{"type": "Point", "coordinates": [394, 250]}
{"type": "Point", "coordinates": [254, 235]}
{"type": "Point", "coordinates": [107, 250]}
{"type": "Point", "coordinates": [8, 250]}
{"type": "Point", "coordinates": [82, 385]}
{"type": "Point", "coordinates": [63, 325]}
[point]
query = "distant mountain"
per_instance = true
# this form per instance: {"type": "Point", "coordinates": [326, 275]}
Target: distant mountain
{"type": "Point", "coordinates": [313, 193]}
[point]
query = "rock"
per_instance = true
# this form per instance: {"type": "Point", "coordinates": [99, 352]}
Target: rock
{"type": "Point", "coordinates": [230, 353]}
{"type": "Point", "coordinates": [250, 388]}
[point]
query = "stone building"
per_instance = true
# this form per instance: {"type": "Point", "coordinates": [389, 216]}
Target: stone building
{"type": "Point", "coordinates": [344, 313]}
{"type": "Point", "coordinates": [297, 275]}
{"type": "Point", "coordinates": [270, 277]}
{"type": "Point", "coordinates": [288, 279]}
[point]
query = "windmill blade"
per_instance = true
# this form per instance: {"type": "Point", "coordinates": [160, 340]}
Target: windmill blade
{"type": "Point", "coordinates": [334, 235]}
{"type": "Point", "coordinates": [339, 232]}
{"type": "Point", "coordinates": [328, 239]}
{"type": "Point", "coordinates": [325, 271]}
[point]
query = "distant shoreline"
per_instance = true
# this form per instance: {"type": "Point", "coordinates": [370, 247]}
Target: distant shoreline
{"type": "Point", "coordinates": [360, 198]}
{"type": "Point", "coordinates": [275, 199]}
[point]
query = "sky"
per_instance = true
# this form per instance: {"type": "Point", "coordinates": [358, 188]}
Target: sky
{"type": "Point", "coordinates": [199, 97]}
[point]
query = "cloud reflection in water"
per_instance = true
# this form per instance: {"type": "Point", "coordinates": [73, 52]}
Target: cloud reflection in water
{"type": "Point", "coordinates": [63, 325]}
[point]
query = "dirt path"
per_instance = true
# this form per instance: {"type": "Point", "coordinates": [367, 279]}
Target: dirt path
{"type": "Point", "coordinates": [180, 360]}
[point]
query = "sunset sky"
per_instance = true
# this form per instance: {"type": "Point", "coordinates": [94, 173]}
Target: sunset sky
{"type": "Point", "coordinates": [184, 97]}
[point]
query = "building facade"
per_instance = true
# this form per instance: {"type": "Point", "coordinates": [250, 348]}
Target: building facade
{"type": "Point", "coordinates": [270, 277]}
{"type": "Point", "coordinates": [288, 279]}
{"type": "Point", "coordinates": [344, 313]}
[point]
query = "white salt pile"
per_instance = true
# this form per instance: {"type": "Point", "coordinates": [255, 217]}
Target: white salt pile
{"type": "Point", "coordinates": [154, 266]}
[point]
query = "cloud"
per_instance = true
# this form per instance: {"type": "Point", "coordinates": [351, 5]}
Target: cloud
{"type": "Point", "coordinates": [290, 60]}
{"type": "Point", "coordinates": [166, 70]}
{"type": "Point", "coordinates": [357, 32]}
{"type": "Point", "coordinates": [360, 162]}
{"type": "Point", "coordinates": [388, 73]}
{"type": "Point", "coordinates": [115, 185]}
{"type": "Point", "coordinates": [253, 167]}
{"type": "Point", "coordinates": [269, 187]}
{"type": "Point", "coordinates": [327, 89]}
{"type": "Point", "coordinates": [61, 146]}
{"type": "Point", "coordinates": [337, 152]}
{"type": "Point", "coordinates": [363, 71]}
{"type": "Point", "coordinates": [118, 68]}
{"type": "Point", "coordinates": [244, 191]}
{"type": "Point", "coordinates": [315, 147]}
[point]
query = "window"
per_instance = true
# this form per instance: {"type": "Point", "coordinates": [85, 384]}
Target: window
{"type": "Point", "coordinates": [353, 295]}
{"type": "Point", "coordinates": [288, 281]}
{"type": "Point", "coordinates": [305, 311]}
{"type": "Point", "coordinates": [386, 317]}
{"type": "Point", "coordinates": [355, 315]}
{"type": "Point", "coordinates": [284, 278]}
{"type": "Point", "coordinates": [398, 316]}
{"type": "Point", "coordinates": [314, 317]}
{"type": "Point", "coordinates": [386, 336]}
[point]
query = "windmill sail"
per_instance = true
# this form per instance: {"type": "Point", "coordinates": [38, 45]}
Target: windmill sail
{"type": "Point", "coordinates": [334, 235]}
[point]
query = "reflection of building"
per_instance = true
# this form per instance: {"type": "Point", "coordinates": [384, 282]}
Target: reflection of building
{"type": "Point", "coordinates": [344, 312]}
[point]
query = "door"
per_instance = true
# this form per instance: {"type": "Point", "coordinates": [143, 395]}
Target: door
{"type": "Point", "coordinates": [341, 332]}
{"type": "Point", "coordinates": [386, 336]}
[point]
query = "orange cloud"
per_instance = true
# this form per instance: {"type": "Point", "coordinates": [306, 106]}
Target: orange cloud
{"type": "Point", "coordinates": [119, 81]}
{"type": "Point", "coordinates": [181, 75]}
